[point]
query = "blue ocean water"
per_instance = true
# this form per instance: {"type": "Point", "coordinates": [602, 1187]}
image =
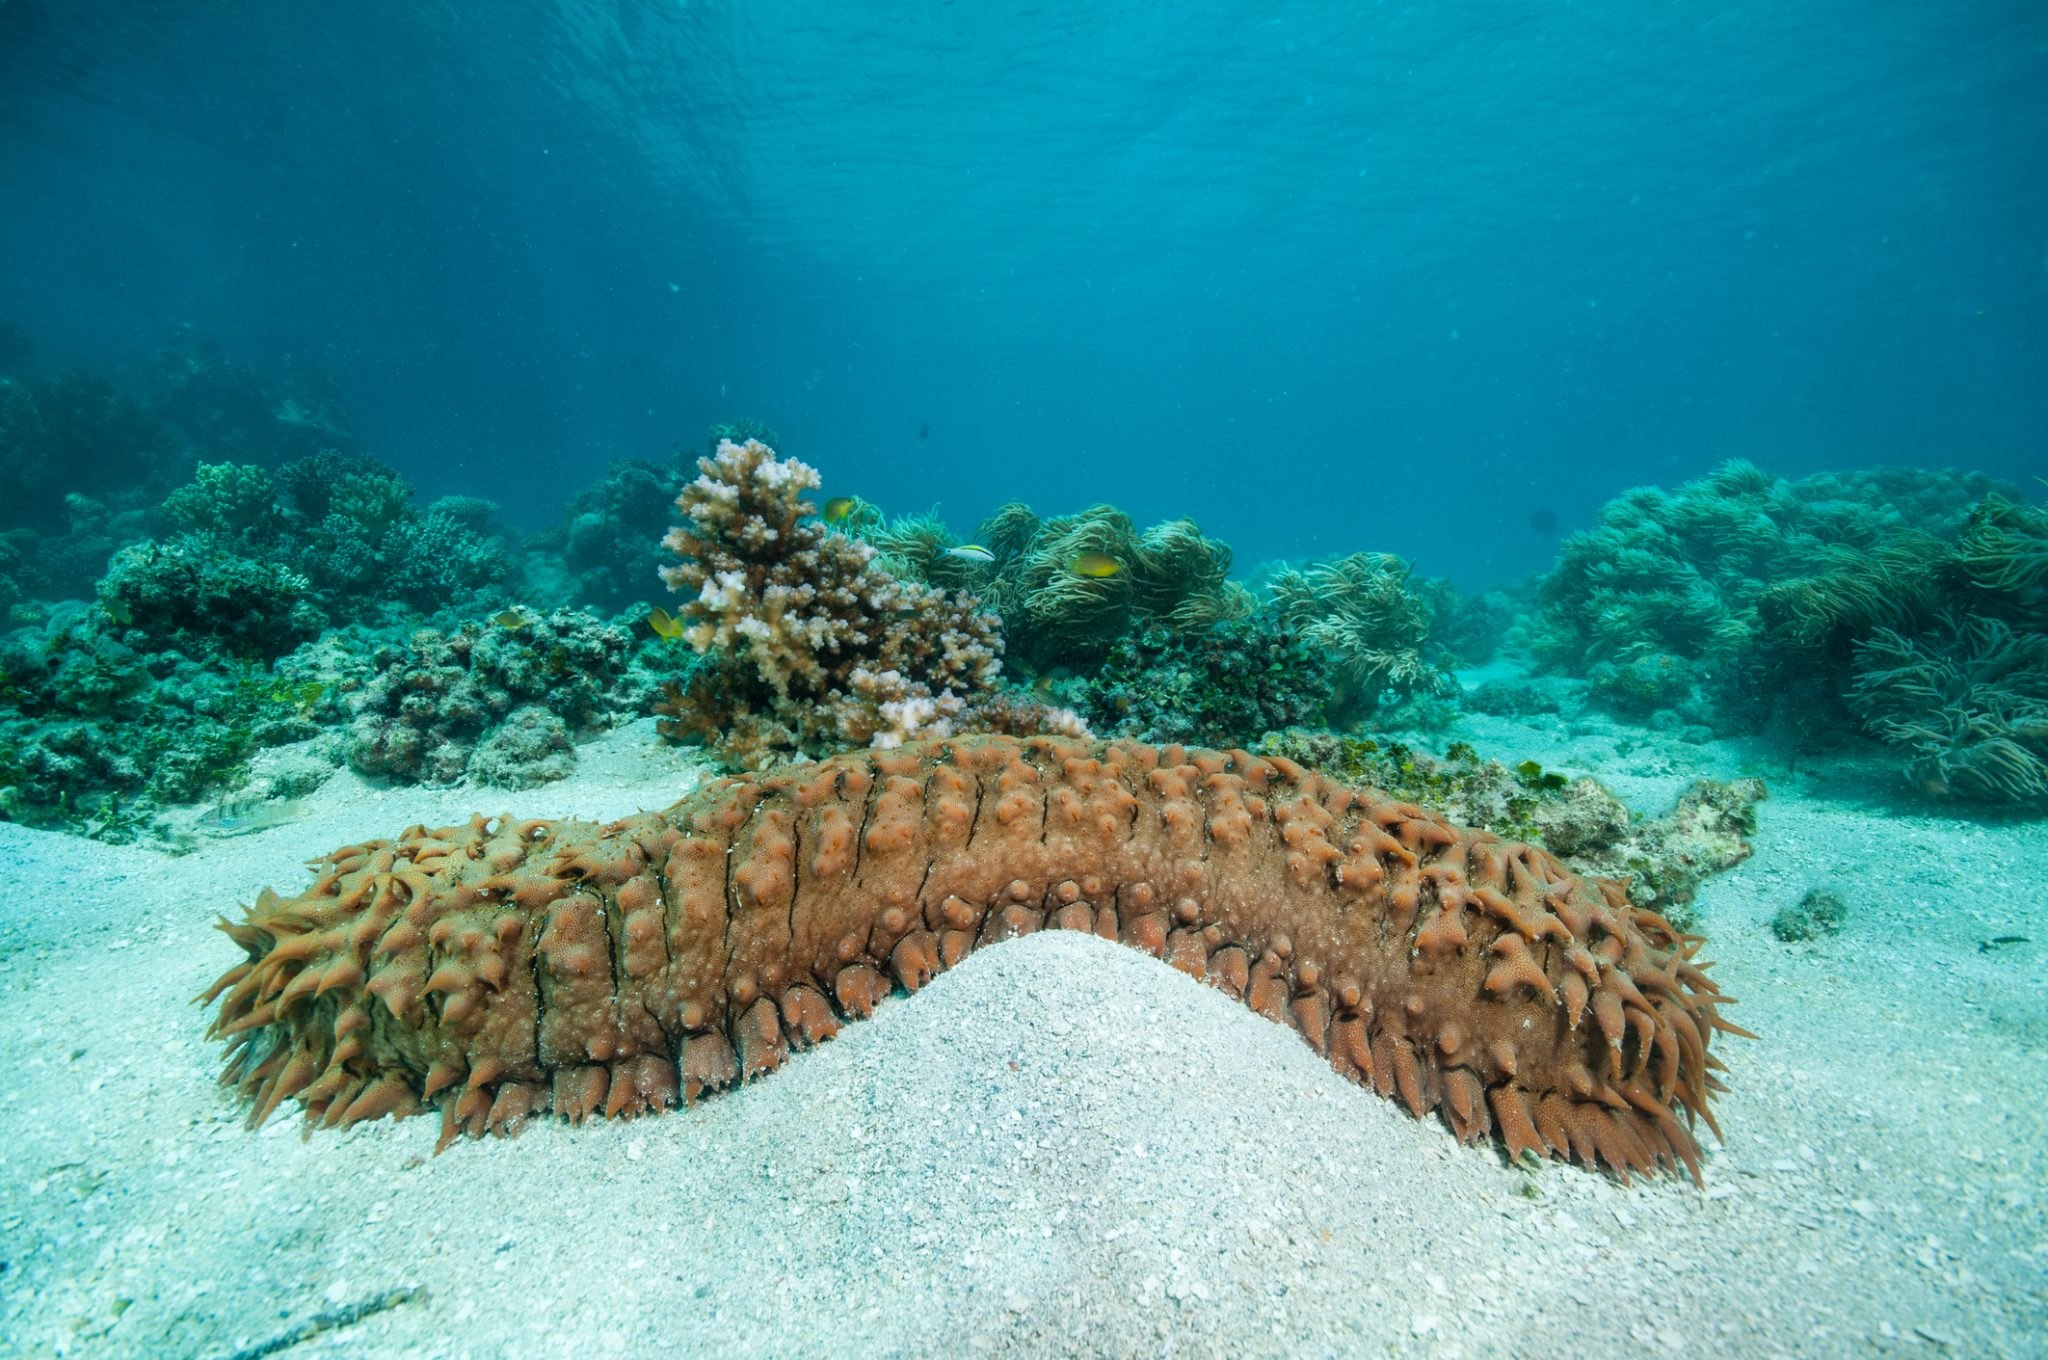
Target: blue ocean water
{"type": "Point", "coordinates": [1340, 282]}
{"type": "Point", "coordinates": [1323, 277]}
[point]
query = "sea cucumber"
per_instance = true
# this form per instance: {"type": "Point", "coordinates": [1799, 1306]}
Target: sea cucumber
{"type": "Point", "coordinates": [509, 968]}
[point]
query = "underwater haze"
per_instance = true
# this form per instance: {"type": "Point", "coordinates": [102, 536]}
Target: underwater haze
{"type": "Point", "coordinates": [1428, 278]}
{"type": "Point", "coordinates": [1069, 678]}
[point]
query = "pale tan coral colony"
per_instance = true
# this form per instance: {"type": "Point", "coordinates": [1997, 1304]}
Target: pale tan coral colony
{"type": "Point", "coordinates": [812, 645]}
{"type": "Point", "coordinates": [506, 969]}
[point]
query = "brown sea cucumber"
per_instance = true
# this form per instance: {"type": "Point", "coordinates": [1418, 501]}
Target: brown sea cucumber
{"type": "Point", "coordinates": [505, 969]}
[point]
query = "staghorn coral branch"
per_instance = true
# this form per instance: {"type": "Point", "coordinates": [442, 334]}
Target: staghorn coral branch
{"type": "Point", "coordinates": [816, 646]}
{"type": "Point", "coordinates": [505, 970]}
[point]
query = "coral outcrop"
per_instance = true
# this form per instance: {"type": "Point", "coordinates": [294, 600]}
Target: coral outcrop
{"type": "Point", "coordinates": [1361, 611]}
{"type": "Point", "coordinates": [1819, 914]}
{"type": "Point", "coordinates": [1203, 685]}
{"type": "Point", "coordinates": [1057, 611]}
{"type": "Point", "coordinates": [1967, 701]}
{"type": "Point", "coordinates": [182, 594]}
{"type": "Point", "coordinates": [96, 733]}
{"type": "Point", "coordinates": [809, 645]}
{"type": "Point", "coordinates": [1913, 603]}
{"type": "Point", "coordinates": [1739, 566]}
{"type": "Point", "coordinates": [327, 538]}
{"type": "Point", "coordinates": [493, 702]}
{"type": "Point", "coordinates": [507, 969]}
{"type": "Point", "coordinates": [607, 550]}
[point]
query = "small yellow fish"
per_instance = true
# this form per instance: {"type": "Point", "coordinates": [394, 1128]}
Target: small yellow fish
{"type": "Point", "coordinates": [513, 619]}
{"type": "Point", "coordinates": [839, 509]}
{"type": "Point", "coordinates": [664, 624]}
{"type": "Point", "coordinates": [971, 552]}
{"type": "Point", "coordinates": [1096, 566]}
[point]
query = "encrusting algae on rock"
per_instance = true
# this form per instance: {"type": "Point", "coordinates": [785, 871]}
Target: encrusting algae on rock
{"type": "Point", "coordinates": [506, 969]}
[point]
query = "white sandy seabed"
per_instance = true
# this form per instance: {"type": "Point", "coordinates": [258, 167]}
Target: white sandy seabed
{"type": "Point", "coordinates": [1061, 1147]}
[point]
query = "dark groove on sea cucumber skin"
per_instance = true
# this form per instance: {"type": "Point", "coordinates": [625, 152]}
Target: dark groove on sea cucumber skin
{"type": "Point", "coordinates": [540, 1006]}
{"type": "Point", "coordinates": [1251, 890]}
{"type": "Point", "coordinates": [867, 813]}
{"type": "Point", "coordinates": [796, 872]}
{"type": "Point", "coordinates": [607, 895]}
{"type": "Point", "coordinates": [732, 914]}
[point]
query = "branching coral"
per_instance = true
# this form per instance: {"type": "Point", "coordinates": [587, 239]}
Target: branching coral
{"type": "Point", "coordinates": [1360, 610]}
{"type": "Point", "coordinates": [810, 645]}
{"type": "Point", "coordinates": [358, 537]}
{"type": "Point", "coordinates": [230, 501]}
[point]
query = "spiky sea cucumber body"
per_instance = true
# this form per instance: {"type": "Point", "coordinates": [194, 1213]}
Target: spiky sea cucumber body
{"type": "Point", "coordinates": [504, 968]}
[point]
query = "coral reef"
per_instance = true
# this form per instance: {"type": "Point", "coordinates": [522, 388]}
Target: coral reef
{"type": "Point", "coordinates": [354, 532]}
{"type": "Point", "coordinates": [808, 645]}
{"type": "Point", "coordinates": [1057, 614]}
{"type": "Point", "coordinates": [1202, 685]}
{"type": "Point", "coordinates": [609, 544]}
{"type": "Point", "coordinates": [1360, 609]}
{"type": "Point", "coordinates": [493, 703]}
{"type": "Point", "coordinates": [1907, 601]}
{"type": "Point", "coordinates": [1967, 701]}
{"type": "Point", "coordinates": [184, 595]}
{"type": "Point", "coordinates": [340, 535]}
{"type": "Point", "coordinates": [235, 413]}
{"type": "Point", "coordinates": [96, 734]}
{"type": "Point", "coordinates": [506, 969]}
{"type": "Point", "coordinates": [1738, 563]}
{"type": "Point", "coordinates": [74, 431]}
